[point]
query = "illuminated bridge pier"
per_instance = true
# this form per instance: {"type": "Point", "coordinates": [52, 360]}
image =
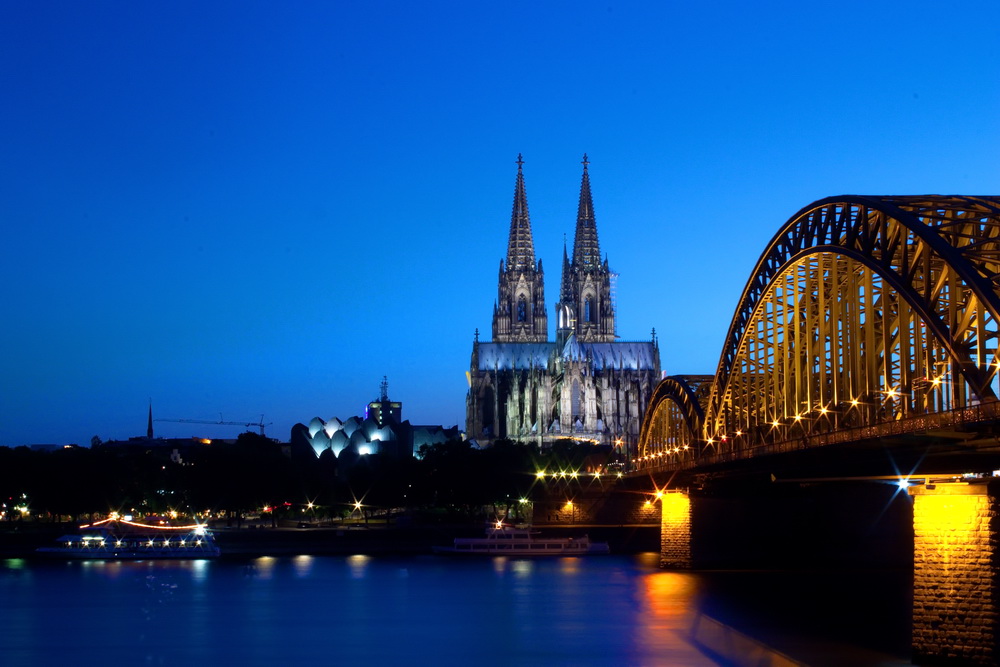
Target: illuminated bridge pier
{"type": "Point", "coordinates": [955, 565]}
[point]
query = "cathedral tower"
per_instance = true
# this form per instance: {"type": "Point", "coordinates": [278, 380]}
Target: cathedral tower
{"type": "Point", "coordinates": [519, 312]}
{"type": "Point", "coordinates": [586, 385]}
{"type": "Point", "coordinates": [586, 307]}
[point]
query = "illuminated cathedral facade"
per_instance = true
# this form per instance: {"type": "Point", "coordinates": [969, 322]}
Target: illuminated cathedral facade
{"type": "Point", "coordinates": [587, 384]}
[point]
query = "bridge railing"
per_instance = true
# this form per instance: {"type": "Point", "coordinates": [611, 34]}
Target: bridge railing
{"type": "Point", "coordinates": [959, 417]}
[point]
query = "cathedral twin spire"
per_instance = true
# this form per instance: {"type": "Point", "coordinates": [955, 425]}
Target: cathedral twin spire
{"type": "Point", "coordinates": [586, 249]}
{"type": "Point", "coordinates": [520, 246]}
{"type": "Point", "coordinates": [585, 305]}
{"type": "Point", "coordinates": [519, 311]}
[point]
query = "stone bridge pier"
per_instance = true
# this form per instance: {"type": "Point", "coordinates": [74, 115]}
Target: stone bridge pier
{"type": "Point", "coordinates": [955, 568]}
{"type": "Point", "coordinates": [949, 533]}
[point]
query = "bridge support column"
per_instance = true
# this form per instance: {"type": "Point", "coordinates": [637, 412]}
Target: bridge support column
{"type": "Point", "coordinates": [955, 565]}
{"type": "Point", "coordinates": [675, 530]}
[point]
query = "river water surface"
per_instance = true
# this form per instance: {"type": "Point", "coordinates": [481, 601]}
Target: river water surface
{"type": "Point", "coordinates": [361, 610]}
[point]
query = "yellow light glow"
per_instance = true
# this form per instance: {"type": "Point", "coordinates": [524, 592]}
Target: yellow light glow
{"type": "Point", "coordinates": [357, 505]}
{"type": "Point", "coordinates": [710, 441]}
{"type": "Point", "coordinates": [798, 418]}
{"type": "Point", "coordinates": [659, 494]}
{"type": "Point", "coordinates": [573, 474]}
{"type": "Point", "coordinates": [569, 503]}
{"type": "Point", "coordinates": [675, 508]}
{"type": "Point", "coordinates": [936, 381]}
{"type": "Point", "coordinates": [953, 521]}
{"type": "Point", "coordinates": [854, 401]}
{"type": "Point", "coordinates": [775, 423]}
{"type": "Point", "coordinates": [540, 474]}
{"type": "Point", "coordinates": [648, 503]}
{"type": "Point", "coordinates": [823, 411]}
{"type": "Point", "coordinates": [738, 434]}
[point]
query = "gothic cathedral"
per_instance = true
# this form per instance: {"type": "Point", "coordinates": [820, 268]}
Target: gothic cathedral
{"type": "Point", "coordinates": [586, 385]}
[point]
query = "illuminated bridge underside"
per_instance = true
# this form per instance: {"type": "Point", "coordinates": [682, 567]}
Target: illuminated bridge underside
{"type": "Point", "coordinates": [864, 315]}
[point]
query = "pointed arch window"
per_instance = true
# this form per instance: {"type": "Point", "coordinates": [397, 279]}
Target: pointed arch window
{"type": "Point", "coordinates": [522, 309]}
{"type": "Point", "coordinates": [590, 312]}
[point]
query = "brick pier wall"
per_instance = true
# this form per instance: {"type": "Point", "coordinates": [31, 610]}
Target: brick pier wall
{"type": "Point", "coordinates": [675, 531]}
{"type": "Point", "coordinates": [955, 574]}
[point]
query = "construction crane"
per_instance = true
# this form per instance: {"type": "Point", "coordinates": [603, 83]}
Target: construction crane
{"type": "Point", "coordinates": [259, 424]}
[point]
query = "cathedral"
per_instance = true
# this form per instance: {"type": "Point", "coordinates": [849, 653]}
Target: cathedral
{"type": "Point", "coordinates": [586, 385]}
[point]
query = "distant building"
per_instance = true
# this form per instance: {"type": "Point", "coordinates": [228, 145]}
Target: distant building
{"type": "Point", "coordinates": [381, 431]}
{"type": "Point", "coordinates": [383, 410]}
{"type": "Point", "coordinates": [587, 384]}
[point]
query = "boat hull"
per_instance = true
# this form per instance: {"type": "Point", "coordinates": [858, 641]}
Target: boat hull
{"type": "Point", "coordinates": [504, 540]}
{"type": "Point", "coordinates": [126, 554]}
{"type": "Point", "coordinates": [593, 549]}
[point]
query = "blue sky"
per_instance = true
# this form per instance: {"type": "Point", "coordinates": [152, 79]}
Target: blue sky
{"type": "Point", "coordinates": [251, 208]}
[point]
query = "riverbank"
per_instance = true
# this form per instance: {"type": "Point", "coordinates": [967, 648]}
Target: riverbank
{"type": "Point", "coordinates": [21, 541]}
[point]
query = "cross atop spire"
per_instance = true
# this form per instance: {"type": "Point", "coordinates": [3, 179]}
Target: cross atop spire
{"type": "Point", "coordinates": [520, 246]}
{"type": "Point", "coordinates": [586, 249]}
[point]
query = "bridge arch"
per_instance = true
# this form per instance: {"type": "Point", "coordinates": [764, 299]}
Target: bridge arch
{"type": "Point", "coordinates": [674, 418]}
{"type": "Point", "coordinates": [862, 310]}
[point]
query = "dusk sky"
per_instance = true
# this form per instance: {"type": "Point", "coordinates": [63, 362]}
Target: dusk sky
{"type": "Point", "coordinates": [259, 208]}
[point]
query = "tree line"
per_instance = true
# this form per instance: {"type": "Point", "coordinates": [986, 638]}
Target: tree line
{"type": "Point", "coordinates": [255, 474]}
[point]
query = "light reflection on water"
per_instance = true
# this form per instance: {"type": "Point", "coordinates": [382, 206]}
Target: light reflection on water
{"type": "Point", "coordinates": [351, 610]}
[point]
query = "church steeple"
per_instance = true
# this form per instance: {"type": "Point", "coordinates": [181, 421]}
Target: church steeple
{"type": "Point", "coordinates": [586, 249]}
{"type": "Point", "coordinates": [520, 246]}
{"type": "Point", "coordinates": [586, 307]}
{"type": "Point", "coordinates": [519, 312]}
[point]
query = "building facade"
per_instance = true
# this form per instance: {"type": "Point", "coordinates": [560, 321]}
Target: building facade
{"type": "Point", "coordinates": [587, 384]}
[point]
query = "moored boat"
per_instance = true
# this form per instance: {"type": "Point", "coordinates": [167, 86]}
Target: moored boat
{"type": "Point", "coordinates": [505, 540]}
{"type": "Point", "coordinates": [118, 539]}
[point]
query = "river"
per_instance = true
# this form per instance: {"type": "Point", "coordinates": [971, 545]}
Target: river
{"type": "Point", "coordinates": [417, 610]}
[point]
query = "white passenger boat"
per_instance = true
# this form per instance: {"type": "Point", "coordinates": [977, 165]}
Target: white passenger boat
{"type": "Point", "coordinates": [117, 539]}
{"type": "Point", "coordinates": [506, 540]}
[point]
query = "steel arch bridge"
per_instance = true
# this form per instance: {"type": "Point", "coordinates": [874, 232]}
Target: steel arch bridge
{"type": "Point", "coordinates": [864, 316]}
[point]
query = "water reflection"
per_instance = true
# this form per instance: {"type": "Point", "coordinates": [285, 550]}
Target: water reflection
{"type": "Point", "coordinates": [199, 570]}
{"type": "Point", "coordinates": [303, 565]}
{"type": "Point", "coordinates": [262, 568]}
{"type": "Point", "coordinates": [523, 568]}
{"type": "Point", "coordinates": [580, 611]}
{"type": "Point", "coordinates": [358, 564]}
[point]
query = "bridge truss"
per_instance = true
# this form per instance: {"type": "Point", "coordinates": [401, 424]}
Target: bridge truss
{"type": "Point", "coordinates": [862, 312]}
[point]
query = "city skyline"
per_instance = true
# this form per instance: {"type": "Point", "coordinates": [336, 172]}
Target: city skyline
{"type": "Point", "coordinates": [246, 210]}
